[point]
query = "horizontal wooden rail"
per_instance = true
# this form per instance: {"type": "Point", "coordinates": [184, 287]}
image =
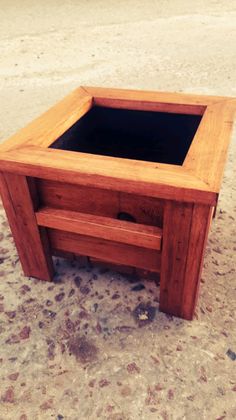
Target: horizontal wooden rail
{"type": "Point", "coordinates": [110, 251]}
{"type": "Point", "coordinates": [101, 227]}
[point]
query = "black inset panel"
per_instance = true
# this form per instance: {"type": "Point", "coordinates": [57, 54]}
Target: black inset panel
{"type": "Point", "coordinates": [141, 135]}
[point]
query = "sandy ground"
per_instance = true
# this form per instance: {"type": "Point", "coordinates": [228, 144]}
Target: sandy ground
{"type": "Point", "coordinates": [72, 349]}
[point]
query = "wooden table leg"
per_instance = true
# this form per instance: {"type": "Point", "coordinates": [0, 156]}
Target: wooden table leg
{"type": "Point", "coordinates": [185, 232]}
{"type": "Point", "coordinates": [31, 243]}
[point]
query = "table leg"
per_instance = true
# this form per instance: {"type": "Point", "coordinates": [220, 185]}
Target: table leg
{"type": "Point", "coordinates": [185, 233]}
{"type": "Point", "coordinates": [31, 243]}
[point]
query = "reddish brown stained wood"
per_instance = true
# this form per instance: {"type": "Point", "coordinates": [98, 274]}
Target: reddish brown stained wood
{"type": "Point", "coordinates": [207, 154]}
{"type": "Point", "coordinates": [33, 190]}
{"type": "Point", "coordinates": [149, 106]}
{"type": "Point", "coordinates": [176, 229]}
{"type": "Point", "coordinates": [184, 236]}
{"type": "Point", "coordinates": [79, 198]}
{"type": "Point", "coordinates": [101, 227]}
{"type": "Point", "coordinates": [136, 177]}
{"type": "Point", "coordinates": [198, 180]}
{"type": "Point", "coordinates": [151, 101]}
{"type": "Point", "coordinates": [35, 258]}
{"type": "Point", "coordinates": [201, 219]}
{"type": "Point", "coordinates": [145, 210]}
{"type": "Point", "coordinates": [104, 186]}
{"type": "Point", "coordinates": [105, 250]}
{"type": "Point", "coordinates": [97, 201]}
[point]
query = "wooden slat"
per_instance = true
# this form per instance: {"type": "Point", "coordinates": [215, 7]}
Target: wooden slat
{"type": "Point", "coordinates": [101, 227]}
{"type": "Point", "coordinates": [176, 229]}
{"type": "Point", "coordinates": [118, 253]}
{"type": "Point", "coordinates": [149, 106]}
{"type": "Point", "coordinates": [207, 154]}
{"type": "Point", "coordinates": [98, 201]}
{"type": "Point", "coordinates": [142, 178]}
{"type": "Point", "coordinates": [198, 180]}
{"type": "Point", "coordinates": [201, 220]}
{"type": "Point", "coordinates": [33, 249]}
{"type": "Point", "coordinates": [184, 237]}
{"type": "Point", "coordinates": [49, 126]}
{"type": "Point", "coordinates": [78, 198]}
{"type": "Point", "coordinates": [151, 101]}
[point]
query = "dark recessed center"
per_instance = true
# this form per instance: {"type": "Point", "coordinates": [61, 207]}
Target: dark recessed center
{"type": "Point", "coordinates": [141, 135]}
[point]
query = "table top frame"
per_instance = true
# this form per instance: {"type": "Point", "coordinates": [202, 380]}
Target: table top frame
{"type": "Point", "coordinates": [197, 180]}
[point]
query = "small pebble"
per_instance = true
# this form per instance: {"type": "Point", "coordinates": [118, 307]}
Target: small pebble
{"type": "Point", "coordinates": [78, 281]}
{"type": "Point", "coordinates": [231, 354]}
{"type": "Point", "coordinates": [59, 297]}
{"type": "Point", "coordinates": [138, 287]}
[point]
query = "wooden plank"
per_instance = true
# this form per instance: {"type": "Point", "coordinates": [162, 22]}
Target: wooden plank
{"type": "Point", "coordinates": [98, 201]}
{"type": "Point", "coordinates": [34, 255]}
{"type": "Point", "coordinates": [78, 198]}
{"type": "Point", "coordinates": [145, 210]}
{"type": "Point", "coordinates": [33, 190]}
{"type": "Point", "coordinates": [50, 125]}
{"type": "Point", "coordinates": [149, 106]}
{"type": "Point", "coordinates": [142, 178]}
{"type": "Point", "coordinates": [54, 122]}
{"type": "Point", "coordinates": [101, 227]}
{"type": "Point", "coordinates": [184, 236]}
{"type": "Point", "coordinates": [105, 250]}
{"type": "Point", "coordinates": [35, 199]}
{"type": "Point", "coordinates": [208, 151]}
{"type": "Point", "coordinates": [201, 220]}
{"type": "Point", "coordinates": [176, 229]}
{"type": "Point", "coordinates": [151, 101]}
{"type": "Point", "coordinates": [198, 180]}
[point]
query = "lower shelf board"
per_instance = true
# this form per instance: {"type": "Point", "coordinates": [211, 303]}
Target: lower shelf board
{"type": "Point", "coordinates": [122, 231]}
{"type": "Point", "coordinates": [118, 253]}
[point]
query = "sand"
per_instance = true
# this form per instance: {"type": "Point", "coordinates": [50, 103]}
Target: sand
{"type": "Point", "coordinates": [73, 349]}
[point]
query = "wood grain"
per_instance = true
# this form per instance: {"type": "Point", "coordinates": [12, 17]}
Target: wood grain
{"type": "Point", "coordinates": [207, 154]}
{"type": "Point", "coordinates": [105, 250]}
{"type": "Point", "coordinates": [179, 198]}
{"type": "Point", "coordinates": [79, 198]}
{"type": "Point", "coordinates": [101, 227]}
{"type": "Point", "coordinates": [201, 220]}
{"type": "Point", "coordinates": [198, 180]}
{"type": "Point", "coordinates": [184, 237]}
{"type": "Point", "coordinates": [136, 177]}
{"type": "Point", "coordinates": [151, 101]}
{"type": "Point", "coordinates": [98, 201]}
{"type": "Point", "coordinates": [34, 255]}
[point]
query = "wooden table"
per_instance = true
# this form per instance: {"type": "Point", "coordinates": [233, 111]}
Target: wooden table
{"type": "Point", "coordinates": [129, 177]}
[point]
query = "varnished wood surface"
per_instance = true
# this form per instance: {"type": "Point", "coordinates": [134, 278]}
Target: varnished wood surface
{"type": "Point", "coordinates": [142, 178]}
{"type": "Point", "coordinates": [101, 227]}
{"type": "Point", "coordinates": [184, 239]}
{"type": "Point", "coordinates": [197, 180]}
{"type": "Point", "coordinates": [201, 220]}
{"type": "Point", "coordinates": [178, 198]}
{"type": "Point", "coordinates": [208, 152]}
{"type": "Point", "coordinates": [118, 253]}
{"type": "Point", "coordinates": [31, 246]}
{"type": "Point", "coordinates": [151, 101]}
{"type": "Point", "coordinates": [98, 201]}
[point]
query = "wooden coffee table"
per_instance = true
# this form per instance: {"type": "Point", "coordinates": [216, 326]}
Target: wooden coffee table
{"type": "Point", "coordinates": [128, 177]}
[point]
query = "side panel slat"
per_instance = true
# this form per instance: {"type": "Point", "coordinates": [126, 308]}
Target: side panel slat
{"type": "Point", "coordinates": [105, 250]}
